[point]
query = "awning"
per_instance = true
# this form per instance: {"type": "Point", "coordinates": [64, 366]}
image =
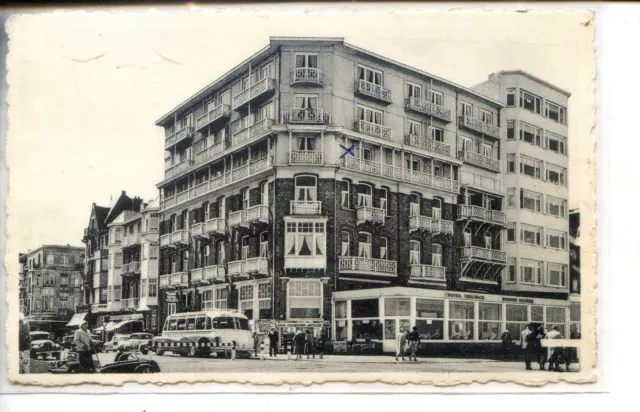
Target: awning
{"type": "Point", "coordinates": [117, 325]}
{"type": "Point", "coordinates": [77, 319]}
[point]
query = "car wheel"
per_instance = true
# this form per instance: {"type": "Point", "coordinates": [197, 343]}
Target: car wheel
{"type": "Point", "coordinates": [192, 352]}
{"type": "Point", "coordinates": [144, 369]}
{"type": "Point", "coordinates": [159, 352]}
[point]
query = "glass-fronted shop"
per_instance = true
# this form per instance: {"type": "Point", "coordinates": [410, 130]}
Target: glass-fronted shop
{"type": "Point", "coordinates": [443, 316]}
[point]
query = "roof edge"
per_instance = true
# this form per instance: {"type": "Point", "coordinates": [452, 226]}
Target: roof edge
{"type": "Point", "coordinates": [537, 79]}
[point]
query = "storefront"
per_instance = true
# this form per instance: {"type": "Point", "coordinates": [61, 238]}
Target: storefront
{"type": "Point", "coordinates": [447, 321]}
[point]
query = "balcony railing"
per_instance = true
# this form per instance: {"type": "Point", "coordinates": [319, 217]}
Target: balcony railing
{"type": "Point", "coordinates": [419, 222]}
{"type": "Point", "coordinates": [397, 173]}
{"type": "Point", "coordinates": [130, 240]}
{"type": "Point", "coordinates": [306, 116]}
{"type": "Point", "coordinates": [257, 265]}
{"type": "Point", "coordinates": [244, 134]}
{"type": "Point", "coordinates": [428, 272]}
{"type": "Point", "coordinates": [479, 126]}
{"type": "Point", "coordinates": [259, 88]}
{"type": "Point", "coordinates": [99, 307]}
{"type": "Point", "coordinates": [480, 213]}
{"type": "Point", "coordinates": [367, 89]}
{"type": "Point", "coordinates": [219, 182]}
{"type": "Point", "coordinates": [131, 267]}
{"type": "Point", "coordinates": [208, 153]}
{"type": "Point", "coordinates": [480, 160]}
{"type": "Point", "coordinates": [217, 226]}
{"type": "Point", "coordinates": [178, 237]}
{"type": "Point", "coordinates": [367, 265]}
{"type": "Point", "coordinates": [182, 134]}
{"type": "Point", "coordinates": [370, 214]}
{"type": "Point", "coordinates": [130, 303]}
{"type": "Point", "coordinates": [428, 144]}
{"type": "Point", "coordinates": [305, 207]}
{"type": "Point", "coordinates": [219, 112]}
{"type": "Point", "coordinates": [164, 281]}
{"type": "Point", "coordinates": [474, 252]}
{"type": "Point", "coordinates": [238, 219]}
{"type": "Point", "coordinates": [307, 75]}
{"type": "Point", "coordinates": [209, 274]}
{"type": "Point", "coordinates": [258, 213]}
{"type": "Point", "coordinates": [373, 129]}
{"type": "Point", "coordinates": [428, 108]}
{"type": "Point", "coordinates": [172, 170]}
{"type": "Point", "coordinates": [442, 226]}
{"type": "Point", "coordinates": [180, 279]}
{"type": "Point", "coordinates": [308, 157]}
{"type": "Point", "coordinates": [236, 267]}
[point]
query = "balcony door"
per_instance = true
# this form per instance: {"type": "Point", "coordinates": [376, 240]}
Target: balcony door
{"type": "Point", "coordinates": [364, 195]}
{"type": "Point", "coordinates": [265, 112]}
{"type": "Point", "coordinates": [414, 205]}
{"type": "Point", "coordinates": [467, 237]}
{"type": "Point", "coordinates": [174, 263]}
{"type": "Point", "coordinates": [221, 255]}
{"type": "Point", "coordinates": [364, 245]}
{"type": "Point", "coordinates": [221, 208]}
{"type": "Point", "coordinates": [264, 245]}
{"type": "Point", "coordinates": [245, 248]}
{"type": "Point", "coordinates": [436, 209]}
{"type": "Point", "coordinates": [487, 240]}
{"type": "Point", "coordinates": [414, 252]}
{"type": "Point", "coordinates": [264, 193]}
{"type": "Point", "coordinates": [306, 61]}
{"type": "Point", "coordinates": [436, 254]}
{"type": "Point", "coordinates": [245, 199]}
{"type": "Point", "coordinates": [306, 143]}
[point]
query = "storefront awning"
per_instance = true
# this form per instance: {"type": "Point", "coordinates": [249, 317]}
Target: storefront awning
{"type": "Point", "coordinates": [116, 326]}
{"type": "Point", "coordinates": [77, 320]}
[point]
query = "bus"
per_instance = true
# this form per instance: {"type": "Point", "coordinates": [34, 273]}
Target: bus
{"type": "Point", "coordinates": [206, 332]}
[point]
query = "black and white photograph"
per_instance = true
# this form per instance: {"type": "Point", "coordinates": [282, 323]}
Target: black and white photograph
{"type": "Point", "coordinates": [208, 194]}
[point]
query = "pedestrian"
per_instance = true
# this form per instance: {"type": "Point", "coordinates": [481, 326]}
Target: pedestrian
{"type": "Point", "coordinates": [24, 346]}
{"type": "Point", "coordinates": [555, 354]}
{"type": "Point", "coordinates": [82, 340]}
{"type": "Point", "coordinates": [401, 343]}
{"type": "Point", "coordinates": [273, 342]}
{"type": "Point", "coordinates": [310, 344]}
{"type": "Point", "coordinates": [414, 340]}
{"type": "Point", "coordinates": [256, 343]}
{"type": "Point", "coordinates": [571, 354]}
{"type": "Point", "coordinates": [527, 341]}
{"type": "Point", "coordinates": [541, 351]}
{"type": "Point", "coordinates": [507, 344]}
{"type": "Point", "coordinates": [298, 342]}
{"type": "Point", "coordinates": [321, 343]}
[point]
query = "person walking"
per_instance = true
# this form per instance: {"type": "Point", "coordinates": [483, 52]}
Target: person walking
{"type": "Point", "coordinates": [82, 340]}
{"type": "Point", "coordinates": [321, 344]}
{"type": "Point", "coordinates": [507, 344]}
{"type": "Point", "coordinates": [298, 342]}
{"type": "Point", "coordinates": [401, 343]}
{"type": "Point", "coordinates": [414, 340]}
{"type": "Point", "coordinates": [24, 346]}
{"type": "Point", "coordinates": [527, 341]}
{"type": "Point", "coordinates": [541, 351]}
{"type": "Point", "coordinates": [310, 344]}
{"type": "Point", "coordinates": [273, 342]}
{"type": "Point", "coordinates": [555, 354]}
{"type": "Point", "coordinates": [256, 343]}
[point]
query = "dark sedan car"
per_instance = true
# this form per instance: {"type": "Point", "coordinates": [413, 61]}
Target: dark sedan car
{"type": "Point", "coordinates": [128, 362]}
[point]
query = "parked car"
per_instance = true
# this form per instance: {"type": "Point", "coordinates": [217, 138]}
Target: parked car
{"type": "Point", "coordinates": [130, 363]}
{"type": "Point", "coordinates": [115, 341]}
{"type": "Point", "coordinates": [40, 335]}
{"type": "Point", "coordinates": [67, 341]}
{"type": "Point", "coordinates": [136, 340]}
{"type": "Point", "coordinates": [44, 349]}
{"type": "Point", "coordinates": [97, 343]}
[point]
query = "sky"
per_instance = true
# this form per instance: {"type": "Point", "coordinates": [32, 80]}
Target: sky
{"type": "Point", "coordinates": [85, 89]}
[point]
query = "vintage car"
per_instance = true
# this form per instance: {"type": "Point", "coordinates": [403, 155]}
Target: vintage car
{"type": "Point", "coordinates": [115, 341]}
{"type": "Point", "coordinates": [128, 362]}
{"type": "Point", "coordinates": [136, 340]}
{"type": "Point", "coordinates": [39, 335]}
{"type": "Point", "coordinates": [44, 349]}
{"type": "Point", "coordinates": [97, 343]}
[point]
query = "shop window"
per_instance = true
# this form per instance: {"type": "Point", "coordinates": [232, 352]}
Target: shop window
{"type": "Point", "coordinates": [490, 321]}
{"type": "Point", "coordinates": [537, 314]}
{"type": "Point", "coordinates": [366, 329]}
{"type": "Point", "coordinates": [365, 308]}
{"type": "Point", "coordinates": [404, 325]}
{"type": "Point", "coordinates": [305, 299]}
{"type": "Point", "coordinates": [246, 300]}
{"type": "Point", "coordinates": [430, 318]}
{"type": "Point", "coordinates": [517, 320]}
{"type": "Point", "coordinates": [574, 320]}
{"type": "Point", "coordinates": [556, 317]}
{"type": "Point", "coordinates": [341, 330]}
{"type": "Point", "coordinates": [397, 307]}
{"type": "Point", "coordinates": [461, 316]}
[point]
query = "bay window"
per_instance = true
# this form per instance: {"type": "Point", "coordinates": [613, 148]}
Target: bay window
{"type": "Point", "coordinates": [414, 205]}
{"type": "Point", "coordinates": [264, 193]}
{"type": "Point", "coordinates": [222, 296]}
{"type": "Point", "coordinates": [556, 275]}
{"type": "Point", "coordinates": [153, 287]}
{"type": "Point", "coordinates": [531, 271]}
{"type": "Point", "coordinates": [304, 299]}
{"type": "Point", "coordinates": [221, 254]}
{"type": "Point", "coordinates": [245, 199]}
{"type": "Point", "coordinates": [555, 143]}
{"type": "Point", "coordinates": [245, 248]}
{"type": "Point", "coordinates": [305, 238]}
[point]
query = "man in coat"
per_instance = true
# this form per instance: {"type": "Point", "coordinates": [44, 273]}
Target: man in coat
{"type": "Point", "coordinates": [554, 353]}
{"type": "Point", "coordinates": [401, 343]}
{"type": "Point", "coordinates": [82, 340]}
{"type": "Point", "coordinates": [273, 342]}
{"type": "Point", "coordinates": [527, 340]}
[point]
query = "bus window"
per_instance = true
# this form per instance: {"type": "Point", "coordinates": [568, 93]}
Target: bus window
{"type": "Point", "coordinates": [166, 325]}
{"type": "Point", "coordinates": [191, 323]}
{"type": "Point", "coordinates": [208, 325]}
{"type": "Point", "coordinates": [243, 324]}
{"type": "Point", "coordinates": [182, 324]}
{"type": "Point", "coordinates": [200, 323]}
{"type": "Point", "coordinates": [173, 324]}
{"type": "Point", "coordinates": [223, 323]}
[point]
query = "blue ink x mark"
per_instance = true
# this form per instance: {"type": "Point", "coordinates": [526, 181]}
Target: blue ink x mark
{"type": "Point", "coordinates": [347, 150]}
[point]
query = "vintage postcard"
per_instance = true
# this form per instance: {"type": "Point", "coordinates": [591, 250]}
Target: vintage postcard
{"type": "Point", "coordinates": [291, 195]}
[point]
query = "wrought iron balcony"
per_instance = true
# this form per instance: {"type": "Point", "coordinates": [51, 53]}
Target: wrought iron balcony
{"type": "Point", "coordinates": [258, 90]}
{"type": "Point", "coordinates": [307, 157]}
{"type": "Point", "coordinates": [480, 253]}
{"type": "Point", "coordinates": [373, 91]}
{"type": "Point", "coordinates": [182, 135]}
{"type": "Point", "coordinates": [218, 113]}
{"type": "Point", "coordinates": [305, 207]}
{"type": "Point", "coordinates": [306, 116]}
{"type": "Point", "coordinates": [430, 109]}
{"type": "Point", "coordinates": [477, 125]}
{"type": "Point", "coordinates": [362, 265]}
{"type": "Point", "coordinates": [481, 214]}
{"type": "Point", "coordinates": [428, 273]}
{"type": "Point", "coordinates": [480, 160]}
{"type": "Point", "coordinates": [428, 144]}
{"type": "Point", "coordinates": [373, 129]}
{"type": "Point", "coordinates": [306, 76]}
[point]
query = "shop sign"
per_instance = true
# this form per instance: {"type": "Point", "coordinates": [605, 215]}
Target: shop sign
{"type": "Point", "coordinates": [339, 346]}
{"type": "Point", "coordinates": [518, 300]}
{"type": "Point", "coordinates": [464, 296]}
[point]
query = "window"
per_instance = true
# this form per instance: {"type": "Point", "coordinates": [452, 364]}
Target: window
{"type": "Point", "coordinates": [511, 97]}
{"type": "Point", "coordinates": [556, 317]}
{"type": "Point", "coordinates": [117, 259]}
{"type": "Point", "coordinates": [245, 248]}
{"type": "Point", "coordinates": [530, 166]}
{"type": "Point", "coordinates": [364, 245]}
{"type": "Point", "coordinates": [530, 134]}
{"type": "Point", "coordinates": [413, 90]}
{"type": "Point", "coordinates": [305, 238]}
{"type": "Point", "coordinates": [345, 243]}
{"type": "Point", "coordinates": [555, 112]}
{"type": "Point", "coordinates": [436, 209]}
{"type": "Point", "coordinates": [467, 144]}
{"type": "Point", "coordinates": [467, 109]}
{"type": "Point", "coordinates": [486, 117]}
{"type": "Point", "coordinates": [511, 270]}
{"type": "Point", "coordinates": [466, 237]}
{"type": "Point", "coordinates": [530, 101]}
{"type": "Point", "coordinates": [264, 244]}
{"type": "Point", "coordinates": [487, 150]}
{"type": "Point", "coordinates": [436, 98]}
{"type": "Point", "coordinates": [222, 208]}
{"type": "Point", "coordinates": [206, 302]}
{"type": "Point", "coordinates": [430, 318]}
{"type": "Point", "coordinates": [530, 200]}
{"type": "Point", "coordinates": [414, 205]}
{"type": "Point", "coordinates": [153, 287]}
{"type": "Point", "coordinates": [245, 199]}
{"type": "Point", "coordinates": [511, 197]}
{"type": "Point", "coordinates": [555, 143]}
{"type": "Point", "coordinates": [222, 296]}
{"type": "Point", "coordinates": [264, 193]}
{"type": "Point", "coordinates": [246, 298]}
{"type": "Point", "coordinates": [370, 75]}
{"type": "Point", "coordinates": [306, 60]}
{"type": "Point", "coordinates": [415, 128]}
{"type": "Point", "coordinates": [396, 307]}
{"type": "Point", "coordinates": [437, 134]}
{"type": "Point", "coordinates": [574, 320]}
{"type": "Point", "coordinates": [364, 195]}
{"type": "Point", "coordinates": [556, 239]}
{"type": "Point", "coordinates": [556, 174]}
{"type": "Point", "coordinates": [511, 162]}
{"type": "Point", "coordinates": [345, 200]}
{"type": "Point", "coordinates": [264, 295]}
{"type": "Point", "coordinates": [365, 328]}
{"type": "Point", "coordinates": [511, 232]}
{"type": "Point", "coordinates": [414, 252]}
{"type": "Point", "coordinates": [461, 315]}
{"type": "Point", "coordinates": [490, 321]}
{"type": "Point", "coordinates": [556, 207]}
{"type": "Point", "coordinates": [306, 189]}
{"type": "Point", "coordinates": [221, 255]}
{"type": "Point", "coordinates": [341, 325]}
{"type": "Point", "coordinates": [50, 259]}
{"type": "Point", "coordinates": [511, 129]}
{"type": "Point", "coordinates": [306, 143]}
{"type": "Point", "coordinates": [383, 248]}
{"type": "Point", "coordinates": [305, 299]}
{"type": "Point", "coordinates": [370, 115]}
{"type": "Point", "coordinates": [384, 201]}
{"type": "Point", "coordinates": [556, 275]}
{"type": "Point", "coordinates": [530, 271]}
{"type": "Point", "coordinates": [530, 234]}
{"type": "Point", "coordinates": [436, 254]}
{"type": "Point", "coordinates": [517, 320]}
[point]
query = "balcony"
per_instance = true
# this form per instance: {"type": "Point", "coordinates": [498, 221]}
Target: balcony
{"type": "Point", "coordinates": [306, 157]}
{"type": "Point", "coordinates": [174, 280]}
{"type": "Point", "coordinates": [305, 262]}
{"type": "Point", "coordinates": [258, 265]}
{"type": "Point", "coordinates": [442, 226]}
{"type": "Point", "coordinates": [209, 274]}
{"type": "Point", "coordinates": [373, 91]}
{"type": "Point", "coordinates": [164, 281]}
{"type": "Point", "coordinates": [238, 219]}
{"type": "Point", "coordinates": [306, 116]}
{"type": "Point", "coordinates": [480, 160]}
{"type": "Point", "coordinates": [180, 136]}
{"type": "Point", "coordinates": [305, 207]}
{"type": "Point", "coordinates": [477, 125]}
{"type": "Point", "coordinates": [236, 268]}
{"type": "Point", "coordinates": [372, 129]}
{"type": "Point", "coordinates": [370, 214]}
{"type": "Point", "coordinates": [428, 273]}
{"type": "Point", "coordinates": [258, 213]}
{"type": "Point", "coordinates": [361, 265]}
{"type": "Point", "coordinates": [397, 173]}
{"type": "Point", "coordinates": [308, 76]}
{"type": "Point", "coordinates": [99, 307]}
{"type": "Point", "coordinates": [479, 213]}
{"type": "Point", "coordinates": [174, 169]}
{"type": "Point", "coordinates": [177, 238]}
{"type": "Point", "coordinates": [217, 226]}
{"type": "Point", "coordinates": [151, 228]}
{"type": "Point", "coordinates": [419, 222]}
{"type": "Point", "coordinates": [132, 239]}
{"type": "Point", "coordinates": [130, 303]}
{"type": "Point", "coordinates": [430, 109]}
{"type": "Point", "coordinates": [243, 134]}
{"type": "Point", "coordinates": [130, 268]}
{"type": "Point", "coordinates": [428, 144]}
{"type": "Point", "coordinates": [258, 91]}
{"type": "Point", "coordinates": [114, 305]}
{"type": "Point", "coordinates": [206, 154]}
{"type": "Point", "coordinates": [480, 253]}
{"type": "Point", "coordinates": [219, 113]}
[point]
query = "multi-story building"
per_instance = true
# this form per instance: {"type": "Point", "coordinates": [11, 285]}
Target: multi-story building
{"type": "Point", "coordinates": [96, 269]}
{"type": "Point", "coordinates": [574, 271]}
{"type": "Point", "coordinates": [53, 281]}
{"type": "Point", "coordinates": [318, 181]}
{"type": "Point", "coordinates": [23, 283]}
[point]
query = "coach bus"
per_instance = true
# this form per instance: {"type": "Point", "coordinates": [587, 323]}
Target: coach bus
{"type": "Point", "coordinates": [206, 332]}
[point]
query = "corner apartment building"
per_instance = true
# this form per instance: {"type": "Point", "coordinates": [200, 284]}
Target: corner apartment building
{"type": "Point", "coordinates": [53, 281]}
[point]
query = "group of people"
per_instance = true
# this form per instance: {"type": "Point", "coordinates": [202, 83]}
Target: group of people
{"type": "Point", "coordinates": [404, 338]}
{"type": "Point", "coordinates": [303, 343]}
{"type": "Point", "coordinates": [530, 340]}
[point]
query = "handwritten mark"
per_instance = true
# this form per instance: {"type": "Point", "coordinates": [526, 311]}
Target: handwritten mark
{"type": "Point", "coordinates": [167, 59]}
{"type": "Point", "coordinates": [87, 60]}
{"type": "Point", "coordinates": [347, 150]}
